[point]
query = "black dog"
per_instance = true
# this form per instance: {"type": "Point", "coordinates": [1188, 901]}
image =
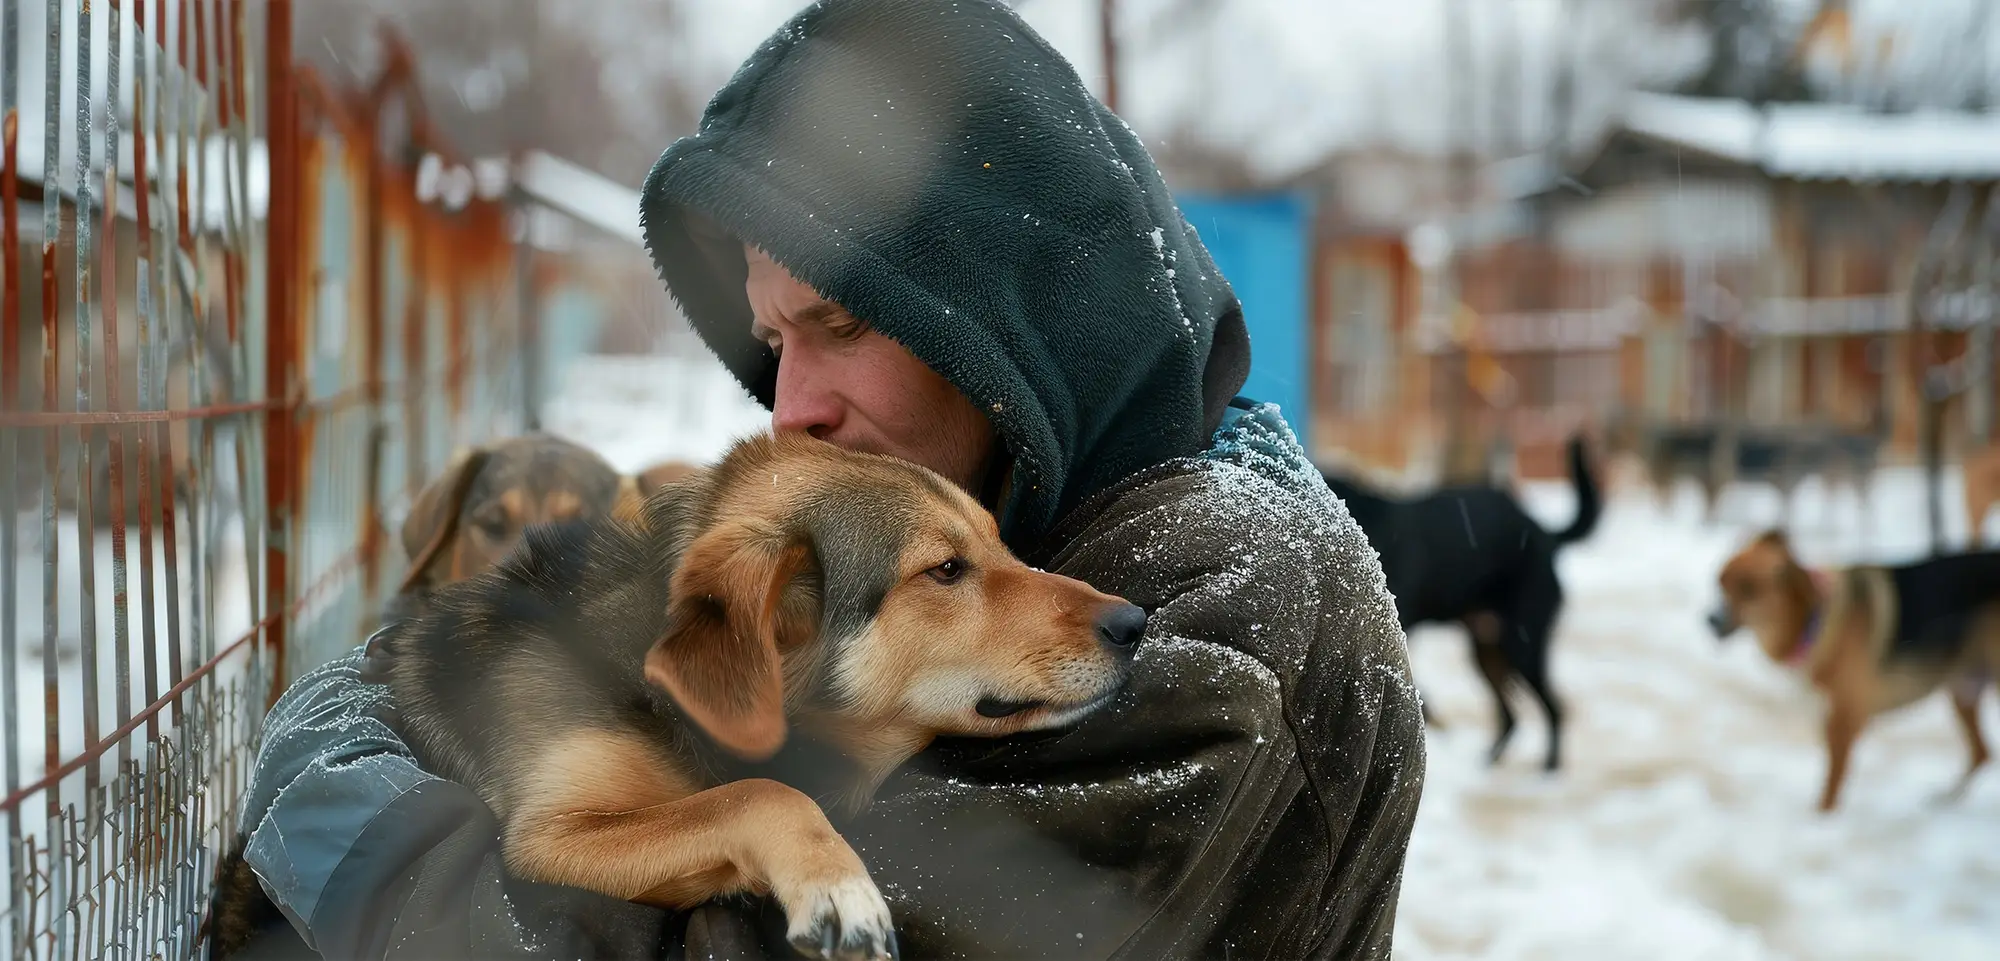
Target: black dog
{"type": "Point", "coordinates": [1471, 555]}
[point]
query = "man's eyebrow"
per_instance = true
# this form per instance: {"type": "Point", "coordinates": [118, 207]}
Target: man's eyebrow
{"type": "Point", "coordinates": [818, 313]}
{"type": "Point", "coordinates": [823, 313]}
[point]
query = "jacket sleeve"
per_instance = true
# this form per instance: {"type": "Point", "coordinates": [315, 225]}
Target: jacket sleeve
{"type": "Point", "coordinates": [1361, 721]}
{"type": "Point", "coordinates": [370, 856]}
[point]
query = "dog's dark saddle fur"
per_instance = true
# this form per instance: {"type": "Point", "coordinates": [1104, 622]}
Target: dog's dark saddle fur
{"type": "Point", "coordinates": [1938, 601]}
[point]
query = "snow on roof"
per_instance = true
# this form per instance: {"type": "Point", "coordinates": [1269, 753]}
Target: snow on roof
{"type": "Point", "coordinates": [583, 194]}
{"type": "Point", "coordinates": [1824, 141]}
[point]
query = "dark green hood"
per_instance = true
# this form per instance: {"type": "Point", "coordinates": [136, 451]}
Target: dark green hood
{"type": "Point", "coordinates": [940, 171]}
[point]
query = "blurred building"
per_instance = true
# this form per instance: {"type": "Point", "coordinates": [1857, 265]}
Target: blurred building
{"type": "Point", "coordinates": [1706, 258]}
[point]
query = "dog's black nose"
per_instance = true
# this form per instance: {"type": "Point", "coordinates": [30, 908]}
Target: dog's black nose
{"type": "Point", "coordinates": [1722, 622]}
{"type": "Point", "coordinates": [1121, 626]}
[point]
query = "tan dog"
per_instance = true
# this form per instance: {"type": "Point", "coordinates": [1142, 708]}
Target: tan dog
{"type": "Point", "coordinates": [608, 688]}
{"type": "Point", "coordinates": [1981, 469]}
{"type": "Point", "coordinates": [468, 517]}
{"type": "Point", "coordinates": [1871, 638]}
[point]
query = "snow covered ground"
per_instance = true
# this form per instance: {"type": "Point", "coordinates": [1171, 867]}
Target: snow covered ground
{"type": "Point", "coordinates": [1682, 825]}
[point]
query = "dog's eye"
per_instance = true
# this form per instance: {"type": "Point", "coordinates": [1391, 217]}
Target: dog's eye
{"type": "Point", "coordinates": [492, 525]}
{"type": "Point", "coordinates": [949, 572]}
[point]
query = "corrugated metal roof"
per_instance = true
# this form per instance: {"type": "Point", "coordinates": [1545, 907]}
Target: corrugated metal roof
{"type": "Point", "coordinates": [1824, 141]}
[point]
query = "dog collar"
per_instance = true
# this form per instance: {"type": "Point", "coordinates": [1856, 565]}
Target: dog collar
{"type": "Point", "coordinates": [1810, 632]}
{"type": "Point", "coordinates": [1805, 644]}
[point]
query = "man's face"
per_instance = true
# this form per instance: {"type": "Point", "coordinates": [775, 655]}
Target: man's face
{"type": "Point", "coordinates": [844, 383]}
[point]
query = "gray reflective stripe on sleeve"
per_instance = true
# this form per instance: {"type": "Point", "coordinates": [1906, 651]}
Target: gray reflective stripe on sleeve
{"type": "Point", "coordinates": [327, 768]}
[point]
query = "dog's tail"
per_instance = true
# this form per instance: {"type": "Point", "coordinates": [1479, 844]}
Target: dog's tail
{"type": "Point", "coordinates": [1589, 503]}
{"type": "Point", "coordinates": [237, 908]}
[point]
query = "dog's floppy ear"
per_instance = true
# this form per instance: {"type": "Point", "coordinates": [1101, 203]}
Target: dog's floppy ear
{"type": "Point", "coordinates": [719, 657]}
{"type": "Point", "coordinates": [433, 519]}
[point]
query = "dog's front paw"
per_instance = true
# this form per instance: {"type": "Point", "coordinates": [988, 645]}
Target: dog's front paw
{"type": "Point", "coordinates": [846, 920]}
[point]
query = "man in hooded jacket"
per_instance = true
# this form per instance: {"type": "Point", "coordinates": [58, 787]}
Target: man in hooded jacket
{"type": "Point", "coordinates": [937, 176]}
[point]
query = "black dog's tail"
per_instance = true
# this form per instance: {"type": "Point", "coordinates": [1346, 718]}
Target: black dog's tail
{"type": "Point", "coordinates": [1588, 502]}
{"type": "Point", "coordinates": [237, 907]}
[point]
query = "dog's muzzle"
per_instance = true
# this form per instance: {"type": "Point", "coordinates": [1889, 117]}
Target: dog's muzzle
{"type": "Point", "coordinates": [1722, 621]}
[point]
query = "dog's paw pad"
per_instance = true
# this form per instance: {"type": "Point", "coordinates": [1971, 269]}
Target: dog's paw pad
{"type": "Point", "coordinates": [844, 921]}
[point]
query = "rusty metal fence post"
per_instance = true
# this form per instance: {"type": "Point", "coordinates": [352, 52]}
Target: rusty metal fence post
{"type": "Point", "coordinates": [11, 395]}
{"type": "Point", "coordinates": [281, 240]}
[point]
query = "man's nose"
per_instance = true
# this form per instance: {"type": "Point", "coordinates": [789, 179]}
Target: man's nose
{"type": "Point", "coordinates": [804, 400]}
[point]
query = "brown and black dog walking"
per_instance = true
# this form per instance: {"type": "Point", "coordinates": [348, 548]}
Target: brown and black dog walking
{"type": "Point", "coordinates": [1871, 638]}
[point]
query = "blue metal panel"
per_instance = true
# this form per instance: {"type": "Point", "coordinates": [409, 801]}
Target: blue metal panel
{"type": "Point", "coordinates": [1260, 243]}
{"type": "Point", "coordinates": [573, 317]}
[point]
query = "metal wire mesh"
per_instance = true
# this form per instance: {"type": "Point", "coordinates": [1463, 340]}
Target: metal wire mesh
{"type": "Point", "coordinates": [239, 336]}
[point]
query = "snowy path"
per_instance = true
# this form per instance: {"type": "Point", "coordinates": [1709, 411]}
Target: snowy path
{"type": "Point", "coordinates": [1682, 825]}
